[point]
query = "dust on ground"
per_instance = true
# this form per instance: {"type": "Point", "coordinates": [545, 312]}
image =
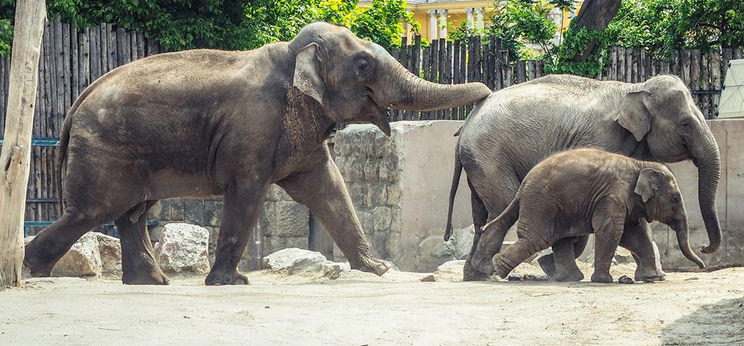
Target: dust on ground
{"type": "Point", "coordinates": [362, 309]}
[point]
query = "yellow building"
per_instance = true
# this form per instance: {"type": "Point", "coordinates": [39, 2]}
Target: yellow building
{"type": "Point", "coordinates": [435, 17]}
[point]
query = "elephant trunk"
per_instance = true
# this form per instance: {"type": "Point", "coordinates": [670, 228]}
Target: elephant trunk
{"type": "Point", "coordinates": [681, 229]}
{"type": "Point", "coordinates": [707, 158]}
{"type": "Point", "coordinates": [401, 89]}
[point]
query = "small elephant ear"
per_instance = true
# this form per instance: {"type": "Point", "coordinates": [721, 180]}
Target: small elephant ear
{"type": "Point", "coordinates": [307, 73]}
{"type": "Point", "coordinates": [634, 116]}
{"type": "Point", "coordinates": [648, 183]}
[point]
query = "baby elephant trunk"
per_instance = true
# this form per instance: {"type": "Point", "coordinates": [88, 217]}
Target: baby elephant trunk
{"type": "Point", "coordinates": [684, 244]}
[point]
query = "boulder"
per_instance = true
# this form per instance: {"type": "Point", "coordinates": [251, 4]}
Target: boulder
{"type": "Point", "coordinates": [183, 248]}
{"type": "Point", "coordinates": [110, 250]}
{"type": "Point", "coordinates": [302, 262]}
{"type": "Point", "coordinates": [450, 271]}
{"type": "Point", "coordinates": [457, 247]}
{"type": "Point", "coordinates": [83, 259]}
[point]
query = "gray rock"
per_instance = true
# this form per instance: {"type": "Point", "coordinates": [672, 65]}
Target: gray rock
{"type": "Point", "coordinates": [303, 262]}
{"type": "Point", "coordinates": [457, 247]}
{"type": "Point", "coordinates": [83, 259]}
{"type": "Point", "coordinates": [623, 256]}
{"type": "Point", "coordinates": [110, 250]}
{"type": "Point", "coordinates": [183, 248]}
{"type": "Point", "coordinates": [283, 259]}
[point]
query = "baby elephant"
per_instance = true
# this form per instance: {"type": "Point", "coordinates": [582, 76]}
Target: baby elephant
{"type": "Point", "coordinates": [578, 192]}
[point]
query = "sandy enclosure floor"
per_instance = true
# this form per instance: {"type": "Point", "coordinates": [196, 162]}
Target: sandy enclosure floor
{"type": "Point", "coordinates": [361, 309]}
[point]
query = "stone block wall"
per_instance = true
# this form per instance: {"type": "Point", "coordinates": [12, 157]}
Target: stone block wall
{"type": "Point", "coordinates": [284, 223]}
{"type": "Point", "coordinates": [400, 187]}
{"type": "Point", "coordinates": [368, 162]}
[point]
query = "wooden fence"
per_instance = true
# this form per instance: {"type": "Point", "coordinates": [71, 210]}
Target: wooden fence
{"type": "Point", "coordinates": [72, 59]}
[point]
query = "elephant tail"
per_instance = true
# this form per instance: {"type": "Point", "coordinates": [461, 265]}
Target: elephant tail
{"type": "Point", "coordinates": [453, 191]}
{"type": "Point", "coordinates": [507, 218]}
{"type": "Point", "coordinates": [64, 140]}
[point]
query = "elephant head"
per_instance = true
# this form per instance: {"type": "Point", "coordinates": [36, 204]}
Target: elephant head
{"type": "Point", "coordinates": [660, 194]}
{"type": "Point", "coordinates": [662, 113]}
{"type": "Point", "coordinates": [357, 81]}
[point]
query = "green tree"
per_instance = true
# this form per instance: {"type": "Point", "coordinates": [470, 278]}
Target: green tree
{"type": "Point", "coordinates": [223, 24]}
{"type": "Point", "coordinates": [663, 25]}
{"type": "Point", "coordinates": [519, 23]}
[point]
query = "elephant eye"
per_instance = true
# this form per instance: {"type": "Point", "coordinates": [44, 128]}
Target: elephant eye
{"type": "Point", "coordinates": [675, 199]}
{"type": "Point", "coordinates": [364, 70]}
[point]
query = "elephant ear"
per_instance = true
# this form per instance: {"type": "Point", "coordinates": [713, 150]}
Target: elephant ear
{"type": "Point", "coordinates": [634, 116]}
{"type": "Point", "coordinates": [307, 73]}
{"type": "Point", "coordinates": [648, 183]}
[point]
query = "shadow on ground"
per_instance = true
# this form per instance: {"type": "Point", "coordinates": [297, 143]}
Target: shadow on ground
{"type": "Point", "coordinates": [721, 323]}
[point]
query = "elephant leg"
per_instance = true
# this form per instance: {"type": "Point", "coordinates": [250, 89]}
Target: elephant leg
{"type": "Point", "coordinates": [525, 246]}
{"type": "Point", "coordinates": [241, 206]}
{"type": "Point", "coordinates": [608, 223]}
{"type": "Point", "coordinates": [637, 239]}
{"type": "Point", "coordinates": [138, 262]}
{"type": "Point", "coordinates": [480, 218]}
{"type": "Point", "coordinates": [323, 191]}
{"type": "Point", "coordinates": [561, 264]}
{"type": "Point", "coordinates": [43, 252]}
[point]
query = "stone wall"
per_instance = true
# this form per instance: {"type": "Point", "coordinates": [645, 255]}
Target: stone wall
{"type": "Point", "coordinates": [283, 223]}
{"type": "Point", "coordinates": [400, 186]}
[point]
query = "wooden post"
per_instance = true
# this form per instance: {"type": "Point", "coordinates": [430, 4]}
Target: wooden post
{"type": "Point", "coordinates": [16, 152]}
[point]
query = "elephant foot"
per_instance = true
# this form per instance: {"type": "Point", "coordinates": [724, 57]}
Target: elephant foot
{"type": "Point", "coordinates": [547, 264]}
{"type": "Point", "coordinates": [39, 267]}
{"type": "Point", "coordinates": [573, 276]}
{"type": "Point", "coordinates": [372, 265]}
{"type": "Point", "coordinates": [219, 278]}
{"type": "Point", "coordinates": [501, 266]}
{"type": "Point", "coordinates": [649, 276]}
{"type": "Point", "coordinates": [155, 277]}
{"type": "Point", "coordinates": [483, 265]}
{"type": "Point", "coordinates": [471, 274]}
{"type": "Point", "coordinates": [602, 278]}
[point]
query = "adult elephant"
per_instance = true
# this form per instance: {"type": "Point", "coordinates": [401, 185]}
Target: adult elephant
{"type": "Point", "coordinates": [515, 128]}
{"type": "Point", "coordinates": [204, 123]}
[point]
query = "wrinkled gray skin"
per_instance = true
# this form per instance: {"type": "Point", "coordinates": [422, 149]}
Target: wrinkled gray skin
{"type": "Point", "coordinates": [584, 191]}
{"type": "Point", "coordinates": [205, 123]}
{"type": "Point", "coordinates": [515, 128]}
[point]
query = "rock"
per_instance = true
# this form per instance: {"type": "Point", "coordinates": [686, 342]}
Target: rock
{"type": "Point", "coordinates": [463, 239]}
{"type": "Point", "coordinates": [625, 280]}
{"type": "Point", "coordinates": [527, 272]}
{"type": "Point", "coordinates": [303, 262]}
{"type": "Point", "coordinates": [623, 256]}
{"type": "Point", "coordinates": [83, 259]}
{"type": "Point", "coordinates": [283, 259]}
{"type": "Point", "coordinates": [110, 250]}
{"type": "Point", "coordinates": [310, 266]}
{"type": "Point", "coordinates": [450, 271]}
{"type": "Point", "coordinates": [183, 248]}
{"type": "Point", "coordinates": [428, 278]}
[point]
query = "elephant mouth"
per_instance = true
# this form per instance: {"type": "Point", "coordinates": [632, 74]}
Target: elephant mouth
{"type": "Point", "coordinates": [380, 116]}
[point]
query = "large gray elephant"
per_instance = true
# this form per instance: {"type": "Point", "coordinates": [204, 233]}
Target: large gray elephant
{"type": "Point", "coordinates": [578, 192]}
{"type": "Point", "coordinates": [515, 128]}
{"type": "Point", "coordinates": [205, 123]}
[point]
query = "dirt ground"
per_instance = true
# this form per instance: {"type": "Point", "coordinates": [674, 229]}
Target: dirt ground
{"type": "Point", "coordinates": [362, 309]}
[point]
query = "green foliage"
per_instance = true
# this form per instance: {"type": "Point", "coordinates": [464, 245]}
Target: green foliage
{"type": "Point", "coordinates": [660, 26]}
{"type": "Point", "coordinates": [575, 42]}
{"type": "Point", "coordinates": [224, 24]}
{"type": "Point", "coordinates": [518, 23]}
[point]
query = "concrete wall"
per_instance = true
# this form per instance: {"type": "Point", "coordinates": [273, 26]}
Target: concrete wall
{"type": "Point", "coordinates": [400, 186]}
{"type": "Point", "coordinates": [729, 134]}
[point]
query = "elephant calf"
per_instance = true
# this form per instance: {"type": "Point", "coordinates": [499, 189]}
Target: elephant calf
{"type": "Point", "coordinates": [577, 192]}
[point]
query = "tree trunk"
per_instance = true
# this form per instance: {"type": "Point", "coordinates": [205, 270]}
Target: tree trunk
{"type": "Point", "coordinates": [16, 151]}
{"type": "Point", "coordinates": [594, 15]}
